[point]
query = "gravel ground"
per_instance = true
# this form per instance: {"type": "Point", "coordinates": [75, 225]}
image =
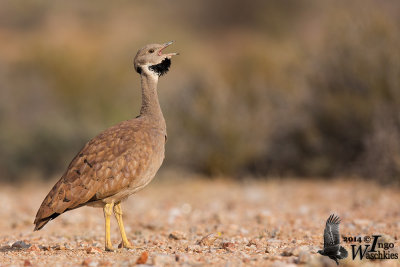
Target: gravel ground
{"type": "Point", "coordinates": [199, 222]}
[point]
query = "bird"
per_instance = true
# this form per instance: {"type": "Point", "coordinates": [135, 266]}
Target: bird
{"type": "Point", "coordinates": [119, 161]}
{"type": "Point", "coordinates": [332, 247]}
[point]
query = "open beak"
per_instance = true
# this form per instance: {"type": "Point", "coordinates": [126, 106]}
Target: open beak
{"type": "Point", "coordinates": [169, 55]}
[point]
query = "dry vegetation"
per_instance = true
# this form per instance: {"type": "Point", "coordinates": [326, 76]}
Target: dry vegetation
{"type": "Point", "coordinates": [194, 222]}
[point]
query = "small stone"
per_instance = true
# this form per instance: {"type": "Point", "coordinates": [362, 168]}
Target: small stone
{"type": "Point", "coordinates": [270, 250]}
{"type": "Point", "coordinates": [86, 262]}
{"type": "Point", "coordinates": [59, 247]}
{"type": "Point", "coordinates": [44, 248]}
{"type": "Point", "coordinates": [287, 252]}
{"type": "Point", "coordinates": [20, 245]}
{"type": "Point", "coordinates": [143, 258]}
{"type": "Point", "coordinates": [93, 263]}
{"type": "Point", "coordinates": [177, 235]}
{"type": "Point", "coordinates": [208, 240]}
{"type": "Point", "coordinates": [254, 242]}
{"type": "Point", "coordinates": [229, 246]}
{"type": "Point", "coordinates": [194, 248]}
{"type": "Point", "coordinates": [93, 250]}
{"type": "Point", "coordinates": [33, 248]}
{"type": "Point", "coordinates": [83, 244]}
{"type": "Point", "coordinates": [296, 251]}
{"type": "Point", "coordinates": [274, 233]}
{"type": "Point", "coordinates": [304, 257]}
{"type": "Point", "coordinates": [27, 263]}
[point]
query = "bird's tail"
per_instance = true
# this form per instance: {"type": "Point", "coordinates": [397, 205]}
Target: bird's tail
{"type": "Point", "coordinates": [342, 253]}
{"type": "Point", "coordinates": [43, 215]}
{"type": "Point", "coordinates": [52, 206]}
{"type": "Point", "coordinates": [40, 223]}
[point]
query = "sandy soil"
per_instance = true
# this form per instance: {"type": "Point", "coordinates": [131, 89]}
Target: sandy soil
{"type": "Point", "coordinates": [197, 222]}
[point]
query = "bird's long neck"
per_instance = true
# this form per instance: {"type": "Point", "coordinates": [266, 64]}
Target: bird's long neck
{"type": "Point", "coordinates": [150, 104]}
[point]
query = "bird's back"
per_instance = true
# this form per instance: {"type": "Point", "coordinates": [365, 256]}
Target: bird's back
{"type": "Point", "coordinates": [116, 163]}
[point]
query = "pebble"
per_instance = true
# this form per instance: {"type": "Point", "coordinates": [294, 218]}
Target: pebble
{"type": "Point", "coordinates": [229, 246]}
{"type": "Point", "coordinates": [34, 248]}
{"type": "Point", "coordinates": [87, 262]}
{"type": "Point", "coordinates": [209, 240]}
{"type": "Point", "coordinates": [270, 250]}
{"type": "Point", "coordinates": [287, 252]}
{"type": "Point", "coordinates": [195, 248]}
{"type": "Point", "coordinates": [253, 242]}
{"type": "Point", "coordinates": [142, 258]}
{"type": "Point", "coordinates": [304, 257]}
{"type": "Point", "coordinates": [177, 235]}
{"type": "Point", "coordinates": [20, 245]}
{"type": "Point", "coordinates": [93, 250]}
{"type": "Point", "coordinates": [44, 248]}
{"type": "Point", "coordinates": [64, 246]}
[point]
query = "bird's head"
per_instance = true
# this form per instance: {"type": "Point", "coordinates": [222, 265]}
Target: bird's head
{"type": "Point", "coordinates": [151, 60]}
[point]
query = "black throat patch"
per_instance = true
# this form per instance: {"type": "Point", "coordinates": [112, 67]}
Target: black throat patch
{"type": "Point", "coordinates": [162, 67]}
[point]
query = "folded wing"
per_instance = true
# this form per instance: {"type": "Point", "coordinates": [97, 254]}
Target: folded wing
{"type": "Point", "coordinates": [105, 165]}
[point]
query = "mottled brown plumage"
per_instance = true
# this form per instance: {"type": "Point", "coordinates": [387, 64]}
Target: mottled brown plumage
{"type": "Point", "coordinates": [119, 161]}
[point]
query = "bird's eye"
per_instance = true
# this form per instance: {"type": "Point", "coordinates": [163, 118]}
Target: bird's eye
{"type": "Point", "coordinates": [151, 51]}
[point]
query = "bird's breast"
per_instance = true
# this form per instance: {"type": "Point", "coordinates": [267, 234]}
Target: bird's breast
{"type": "Point", "coordinates": [141, 163]}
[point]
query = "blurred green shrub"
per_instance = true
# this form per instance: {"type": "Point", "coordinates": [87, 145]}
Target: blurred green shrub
{"type": "Point", "coordinates": [342, 118]}
{"type": "Point", "coordinates": [356, 98]}
{"type": "Point", "coordinates": [225, 120]}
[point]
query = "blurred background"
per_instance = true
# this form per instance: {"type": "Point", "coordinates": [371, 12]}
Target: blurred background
{"type": "Point", "coordinates": [262, 88]}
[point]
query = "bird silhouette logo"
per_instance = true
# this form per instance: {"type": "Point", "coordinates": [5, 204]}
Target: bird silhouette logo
{"type": "Point", "coordinates": [332, 247]}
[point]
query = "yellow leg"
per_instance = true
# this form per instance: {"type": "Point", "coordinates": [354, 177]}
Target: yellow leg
{"type": "Point", "coordinates": [118, 216]}
{"type": "Point", "coordinates": [107, 214]}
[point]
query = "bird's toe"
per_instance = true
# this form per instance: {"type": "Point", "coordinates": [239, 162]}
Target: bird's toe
{"type": "Point", "coordinates": [110, 248]}
{"type": "Point", "coordinates": [126, 245]}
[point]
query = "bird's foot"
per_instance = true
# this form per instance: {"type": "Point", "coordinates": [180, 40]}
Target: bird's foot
{"type": "Point", "coordinates": [126, 245]}
{"type": "Point", "coordinates": [110, 248]}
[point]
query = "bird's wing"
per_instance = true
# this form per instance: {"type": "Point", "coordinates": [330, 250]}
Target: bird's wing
{"type": "Point", "coordinates": [331, 233]}
{"type": "Point", "coordinates": [107, 163]}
